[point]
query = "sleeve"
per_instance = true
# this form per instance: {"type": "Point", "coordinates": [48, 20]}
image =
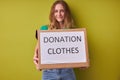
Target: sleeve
{"type": "Point", "coordinates": [45, 27]}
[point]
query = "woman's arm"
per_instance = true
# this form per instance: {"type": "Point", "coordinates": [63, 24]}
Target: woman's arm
{"type": "Point", "coordinates": [35, 58]}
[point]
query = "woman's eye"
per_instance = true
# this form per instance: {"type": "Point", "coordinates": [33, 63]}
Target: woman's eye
{"type": "Point", "coordinates": [62, 10]}
{"type": "Point", "coordinates": [56, 10]}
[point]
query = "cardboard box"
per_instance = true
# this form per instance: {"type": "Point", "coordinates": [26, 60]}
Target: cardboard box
{"type": "Point", "coordinates": [63, 48]}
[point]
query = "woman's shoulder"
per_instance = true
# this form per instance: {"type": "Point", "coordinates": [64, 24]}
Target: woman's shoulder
{"type": "Point", "coordinates": [44, 27]}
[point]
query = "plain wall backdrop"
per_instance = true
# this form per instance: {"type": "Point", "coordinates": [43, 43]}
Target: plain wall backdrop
{"type": "Point", "coordinates": [20, 18]}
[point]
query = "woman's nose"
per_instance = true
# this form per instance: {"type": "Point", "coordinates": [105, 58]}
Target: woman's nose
{"type": "Point", "coordinates": [59, 13]}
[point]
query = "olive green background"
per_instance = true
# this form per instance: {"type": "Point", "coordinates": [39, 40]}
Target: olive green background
{"type": "Point", "coordinates": [20, 18]}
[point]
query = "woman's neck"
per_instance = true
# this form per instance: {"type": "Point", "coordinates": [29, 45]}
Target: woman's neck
{"type": "Point", "coordinates": [61, 25]}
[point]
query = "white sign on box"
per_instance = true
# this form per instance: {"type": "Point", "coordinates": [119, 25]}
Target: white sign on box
{"type": "Point", "coordinates": [62, 47]}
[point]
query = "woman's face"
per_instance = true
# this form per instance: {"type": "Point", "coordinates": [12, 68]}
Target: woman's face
{"type": "Point", "coordinates": [59, 13]}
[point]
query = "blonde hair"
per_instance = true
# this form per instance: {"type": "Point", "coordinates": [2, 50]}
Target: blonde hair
{"type": "Point", "coordinates": [68, 21]}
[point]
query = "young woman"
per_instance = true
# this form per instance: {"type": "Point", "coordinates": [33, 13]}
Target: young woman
{"type": "Point", "coordinates": [60, 18]}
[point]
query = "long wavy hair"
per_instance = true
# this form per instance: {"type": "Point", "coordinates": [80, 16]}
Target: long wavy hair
{"type": "Point", "coordinates": [68, 20]}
